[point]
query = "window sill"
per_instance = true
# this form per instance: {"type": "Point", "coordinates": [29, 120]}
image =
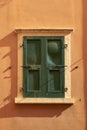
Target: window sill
{"type": "Point", "coordinates": [20, 100]}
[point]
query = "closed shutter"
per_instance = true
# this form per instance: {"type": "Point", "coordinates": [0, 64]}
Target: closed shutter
{"type": "Point", "coordinates": [43, 67]}
{"type": "Point", "coordinates": [55, 65]}
{"type": "Point", "coordinates": [32, 67]}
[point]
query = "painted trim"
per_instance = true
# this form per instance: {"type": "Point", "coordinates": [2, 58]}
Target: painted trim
{"type": "Point", "coordinates": [45, 32]}
{"type": "Point", "coordinates": [44, 100]}
{"type": "Point", "coordinates": [66, 30]}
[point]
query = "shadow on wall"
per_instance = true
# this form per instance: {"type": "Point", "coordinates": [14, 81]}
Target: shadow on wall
{"type": "Point", "coordinates": [7, 107]}
{"type": "Point", "coordinates": [4, 2]}
{"type": "Point", "coordinates": [85, 51]}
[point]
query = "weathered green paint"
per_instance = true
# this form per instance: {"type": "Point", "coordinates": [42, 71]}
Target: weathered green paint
{"type": "Point", "coordinates": [43, 74]}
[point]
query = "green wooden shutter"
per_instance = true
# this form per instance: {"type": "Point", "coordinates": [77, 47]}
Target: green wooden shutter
{"type": "Point", "coordinates": [55, 65]}
{"type": "Point", "coordinates": [43, 71]}
{"type": "Point", "coordinates": [32, 67]}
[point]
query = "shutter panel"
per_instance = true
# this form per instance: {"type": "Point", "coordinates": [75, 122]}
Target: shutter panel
{"type": "Point", "coordinates": [55, 61]}
{"type": "Point", "coordinates": [32, 63]}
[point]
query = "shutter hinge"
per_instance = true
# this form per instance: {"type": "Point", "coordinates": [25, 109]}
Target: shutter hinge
{"type": "Point", "coordinates": [65, 89]}
{"type": "Point", "coordinates": [26, 67]}
{"type": "Point", "coordinates": [22, 44]}
{"type": "Point", "coordinates": [21, 89]}
{"type": "Point", "coordinates": [65, 46]}
{"type": "Point", "coordinates": [60, 66]}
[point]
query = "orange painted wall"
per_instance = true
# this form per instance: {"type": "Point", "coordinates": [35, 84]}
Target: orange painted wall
{"type": "Point", "coordinates": [42, 14]}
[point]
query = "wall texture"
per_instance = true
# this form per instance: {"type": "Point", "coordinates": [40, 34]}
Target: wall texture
{"type": "Point", "coordinates": [42, 14]}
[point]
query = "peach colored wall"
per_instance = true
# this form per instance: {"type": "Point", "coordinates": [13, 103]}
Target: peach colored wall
{"type": "Point", "coordinates": [42, 14]}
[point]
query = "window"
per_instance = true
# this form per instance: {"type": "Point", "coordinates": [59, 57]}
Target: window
{"type": "Point", "coordinates": [44, 60]}
{"type": "Point", "coordinates": [43, 67]}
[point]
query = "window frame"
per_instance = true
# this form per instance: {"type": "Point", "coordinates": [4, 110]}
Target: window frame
{"type": "Point", "coordinates": [45, 32]}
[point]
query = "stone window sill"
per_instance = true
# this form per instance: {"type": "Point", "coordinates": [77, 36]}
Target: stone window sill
{"type": "Point", "coordinates": [21, 100]}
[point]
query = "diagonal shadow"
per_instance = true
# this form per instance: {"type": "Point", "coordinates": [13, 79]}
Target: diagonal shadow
{"type": "Point", "coordinates": [4, 2]}
{"type": "Point", "coordinates": [85, 53]}
{"type": "Point", "coordinates": [7, 106]}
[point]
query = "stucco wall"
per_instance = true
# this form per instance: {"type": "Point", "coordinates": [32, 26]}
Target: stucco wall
{"type": "Point", "coordinates": [42, 14]}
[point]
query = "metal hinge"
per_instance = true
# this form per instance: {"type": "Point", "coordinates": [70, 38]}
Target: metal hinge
{"type": "Point", "coordinates": [65, 46]}
{"type": "Point", "coordinates": [22, 44]}
{"type": "Point", "coordinates": [60, 66]}
{"type": "Point", "coordinates": [65, 89]}
{"type": "Point", "coordinates": [21, 89]}
{"type": "Point", "coordinates": [26, 67]}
